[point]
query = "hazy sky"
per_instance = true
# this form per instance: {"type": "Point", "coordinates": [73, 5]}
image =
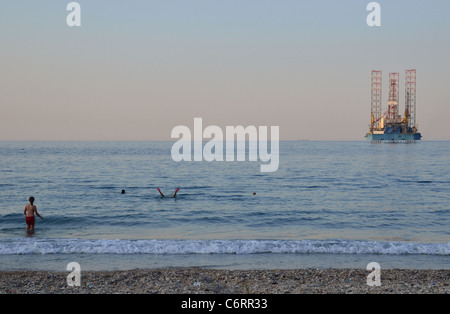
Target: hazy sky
{"type": "Point", "coordinates": [136, 69]}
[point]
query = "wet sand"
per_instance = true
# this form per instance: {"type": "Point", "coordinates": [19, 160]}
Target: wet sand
{"type": "Point", "coordinates": [212, 281]}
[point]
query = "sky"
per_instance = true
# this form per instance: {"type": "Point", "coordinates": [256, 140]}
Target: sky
{"type": "Point", "coordinates": [136, 69]}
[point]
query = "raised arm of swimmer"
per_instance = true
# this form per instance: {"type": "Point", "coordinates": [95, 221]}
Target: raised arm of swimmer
{"type": "Point", "coordinates": [160, 192]}
{"type": "Point", "coordinates": [174, 194]}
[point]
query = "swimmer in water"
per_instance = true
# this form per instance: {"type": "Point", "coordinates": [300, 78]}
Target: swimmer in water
{"type": "Point", "coordinates": [29, 212]}
{"type": "Point", "coordinates": [174, 194]}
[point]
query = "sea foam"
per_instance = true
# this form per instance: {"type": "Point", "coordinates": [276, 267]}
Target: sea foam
{"type": "Point", "coordinates": [17, 246]}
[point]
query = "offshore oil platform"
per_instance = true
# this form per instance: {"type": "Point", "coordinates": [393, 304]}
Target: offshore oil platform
{"type": "Point", "coordinates": [390, 126]}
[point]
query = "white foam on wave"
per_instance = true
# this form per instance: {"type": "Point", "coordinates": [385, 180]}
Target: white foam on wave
{"type": "Point", "coordinates": [81, 246]}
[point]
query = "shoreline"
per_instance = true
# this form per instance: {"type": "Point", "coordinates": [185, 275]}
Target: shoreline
{"type": "Point", "coordinates": [192, 280]}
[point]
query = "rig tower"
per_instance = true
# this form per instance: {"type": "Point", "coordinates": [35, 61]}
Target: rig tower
{"type": "Point", "coordinates": [390, 126]}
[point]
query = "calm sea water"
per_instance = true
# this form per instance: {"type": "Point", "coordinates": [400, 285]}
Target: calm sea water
{"type": "Point", "coordinates": [330, 204]}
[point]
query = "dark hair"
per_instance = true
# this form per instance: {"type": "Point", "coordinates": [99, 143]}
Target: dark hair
{"type": "Point", "coordinates": [31, 199]}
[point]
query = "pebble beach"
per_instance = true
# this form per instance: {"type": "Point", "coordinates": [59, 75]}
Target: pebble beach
{"type": "Point", "coordinates": [213, 281]}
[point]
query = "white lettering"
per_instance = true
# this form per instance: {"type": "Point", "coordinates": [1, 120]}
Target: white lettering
{"type": "Point", "coordinates": [192, 304]}
{"type": "Point", "coordinates": [374, 18]}
{"type": "Point", "coordinates": [213, 150]}
{"type": "Point", "coordinates": [74, 17]}
{"type": "Point", "coordinates": [184, 143]}
{"type": "Point", "coordinates": [216, 143]}
{"type": "Point", "coordinates": [374, 278]}
{"type": "Point", "coordinates": [74, 278]}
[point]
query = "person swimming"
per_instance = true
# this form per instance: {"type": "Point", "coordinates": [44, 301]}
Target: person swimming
{"type": "Point", "coordinates": [174, 194]}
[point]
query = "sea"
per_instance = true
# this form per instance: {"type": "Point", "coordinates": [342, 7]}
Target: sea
{"type": "Point", "coordinates": [329, 205]}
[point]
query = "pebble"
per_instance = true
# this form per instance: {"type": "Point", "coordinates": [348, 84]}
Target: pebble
{"type": "Point", "coordinates": [196, 280]}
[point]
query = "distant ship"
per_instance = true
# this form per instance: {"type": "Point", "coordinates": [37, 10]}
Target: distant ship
{"type": "Point", "coordinates": [390, 126]}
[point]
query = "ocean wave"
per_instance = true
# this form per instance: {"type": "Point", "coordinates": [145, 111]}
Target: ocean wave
{"type": "Point", "coordinates": [22, 246]}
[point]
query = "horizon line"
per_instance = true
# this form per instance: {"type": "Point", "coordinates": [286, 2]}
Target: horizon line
{"type": "Point", "coordinates": [205, 140]}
